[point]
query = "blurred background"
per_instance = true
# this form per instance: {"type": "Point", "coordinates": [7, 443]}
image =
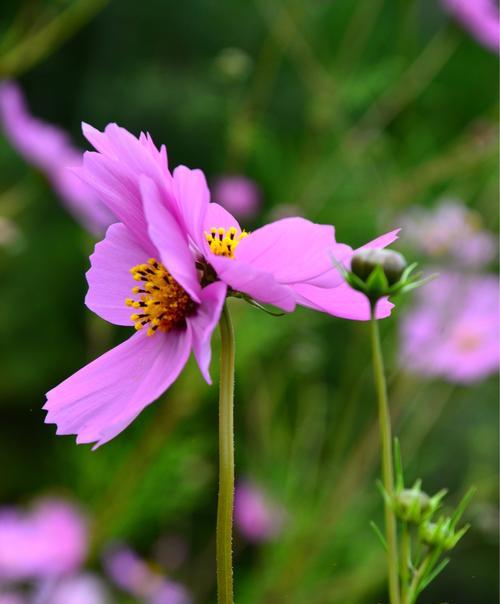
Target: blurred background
{"type": "Point", "coordinates": [368, 115]}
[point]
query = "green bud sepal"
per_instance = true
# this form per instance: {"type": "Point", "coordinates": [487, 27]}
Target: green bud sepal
{"type": "Point", "coordinates": [378, 273]}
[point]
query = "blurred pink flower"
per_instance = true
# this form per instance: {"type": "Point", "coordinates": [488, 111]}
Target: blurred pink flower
{"type": "Point", "coordinates": [170, 233]}
{"type": "Point", "coordinates": [127, 571]}
{"type": "Point", "coordinates": [11, 598]}
{"type": "Point", "coordinates": [450, 230]}
{"type": "Point", "coordinates": [257, 517]}
{"type": "Point", "coordinates": [453, 330]}
{"type": "Point", "coordinates": [480, 17]}
{"type": "Point", "coordinates": [238, 194]}
{"type": "Point", "coordinates": [78, 589]}
{"type": "Point", "coordinates": [49, 149]}
{"type": "Point", "coordinates": [168, 592]}
{"type": "Point", "coordinates": [47, 541]}
{"type": "Point", "coordinates": [134, 576]}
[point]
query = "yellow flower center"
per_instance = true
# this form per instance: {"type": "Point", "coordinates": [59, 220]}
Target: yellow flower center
{"type": "Point", "coordinates": [223, 242]}
{"type": "Point", "coordinates": [162, 304]}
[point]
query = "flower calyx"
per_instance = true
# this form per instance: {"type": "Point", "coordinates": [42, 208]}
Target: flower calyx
{"type": "Point", "coordinates": [441, 534]}
{"type": "Point", "coordinates": [414, 506]}
{"type": "Point", "coordinates": [380, 272]}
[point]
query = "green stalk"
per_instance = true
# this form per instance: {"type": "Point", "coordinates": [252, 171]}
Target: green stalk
{"type": "Point", "coordinates": [387, 461]}
{"type": "Point", "coordinates": [413, 589]}
{"type": "Point", "coordinates": [405, 561]}
{"type": "Point", "coordinates": [226, 463]}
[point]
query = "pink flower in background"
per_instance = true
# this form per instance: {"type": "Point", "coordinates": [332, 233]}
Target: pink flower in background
{"type": "Point", "coordinates": [480, 17]}
{"type": "Point", "coordinates": [11, 598]}
{"type": "Point", "coordinates": [48, 541]}
{"type": "Point", "coordinates": [170, 262]}
{"type": "Point", "coordinates": [238, 194]}
{"type": "Point", "coordinates": [124, 567]}
{"type": "Point", "coordinates": [49, 149]}
{"type": "Point", "coordinates": [256, 516]}
{"type": "Point", "coordinates": [78, 589]}
{"type": "Point", "coordinates": [134, 576]}
{"type": "Point", "coordinates": [450, 230]}
{"type": "Point", "coordinates": [453, 330]}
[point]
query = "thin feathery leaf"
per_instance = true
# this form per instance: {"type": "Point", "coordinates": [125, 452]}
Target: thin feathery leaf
{"type": "Point", "coordinates": [462, 506]}
{"type": "Point", "coordinates": [379, 534]}
{"type": "Point", "coordinates": [433, 574]}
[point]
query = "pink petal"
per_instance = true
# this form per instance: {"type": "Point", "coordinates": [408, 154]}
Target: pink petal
{"type": "Point", "coordinates": [382, 241]}
{"type": "Point", "coordinates": [109, 278]}
{"type": "Point", "coordinates": [147, 142]}
{"type": "Point", "coordinates": [193, 197]}
{"type": "Point", "coordinates": [217, 216]}
{"type": "Point", "coordinates": [295, 250]}
{"type": "Point", "coordinates": [103, 398]}
{"type": "Point", "coordinates": [119, 191]}
{"type": "Point", "coordinates": [139, 156]}
{"type": "Point", "coordinates": [114, 174]}
{"type": "Point", "coordinates": [260, 285]}
{"type": "Point", "coordinates": [169, 239]}
{"type": "Point", "coordinates": [204, 322]}
{"type": "Point", "coordinates": [341, 301]}
{"type": "Point", "coordinates": [99, 140]}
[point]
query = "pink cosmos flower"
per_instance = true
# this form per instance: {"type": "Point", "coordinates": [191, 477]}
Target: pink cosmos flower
{"type": "Point", "coordinates": [183, 254]}
{"type": "Point", "coordinates": [449, 231]}
{"type": "Point", "coordinates": [453, 331]}
{"type": "Point", "coordinates": [134, 576]}
{"type": "Point", "coordinates": [238, 194]}
{"type": "Point", "coordinates": [49, 541]}
{"type": "Point", "coordinates": [49, 149]}
{"type": "Point", "coordinates": [480, 17]}
{"type": "Point", "coordinates": [257, 517]}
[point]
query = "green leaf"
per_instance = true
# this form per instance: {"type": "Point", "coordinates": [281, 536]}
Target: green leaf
{"type": "Point", "coordinates": [433, 574]}
{"type": "Point", "coordinates": [379, 534]}
{"type": "Point", "coordinates": [462, 506]}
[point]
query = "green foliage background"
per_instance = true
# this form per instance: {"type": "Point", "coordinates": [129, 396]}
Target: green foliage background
{"type": "Point", "coordinates": [349, 111]}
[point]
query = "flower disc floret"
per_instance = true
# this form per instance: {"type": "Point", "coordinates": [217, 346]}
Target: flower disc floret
{"type": "Point", "coordinates": [223, 242]}
{"type": "Point", "coordinates": [163, 304]}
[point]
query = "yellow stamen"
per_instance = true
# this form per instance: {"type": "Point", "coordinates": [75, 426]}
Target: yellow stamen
{"type": "Point", "coordinates": [223, 242]}
{"type": "Point", "coordinates": [162, 303]}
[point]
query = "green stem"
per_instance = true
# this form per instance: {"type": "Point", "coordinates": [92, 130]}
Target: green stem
{"type": "Point", "coordinates": [387, 461]}
{"type": "Point", "coordinates": [226, 463]}
{"type": "Point", "coordinates": [413, 590]}
{"type": "Point", "coordinates": [405, 561]}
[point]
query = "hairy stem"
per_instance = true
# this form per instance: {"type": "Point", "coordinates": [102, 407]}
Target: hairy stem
{"type": "Point", "coordinates": [387, 461]}
{"type": "Point", "coordinates": [226, 463]}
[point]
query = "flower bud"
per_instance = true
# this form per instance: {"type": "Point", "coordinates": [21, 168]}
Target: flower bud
{"type": "Point", "coordinates": [441, 534]}
{"type": "Point", "coordinates": [366, 261]}
{"type": "Point", "coordinates": [412, 505]}
{"type": "Point", "coordinates": [379, 272]}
